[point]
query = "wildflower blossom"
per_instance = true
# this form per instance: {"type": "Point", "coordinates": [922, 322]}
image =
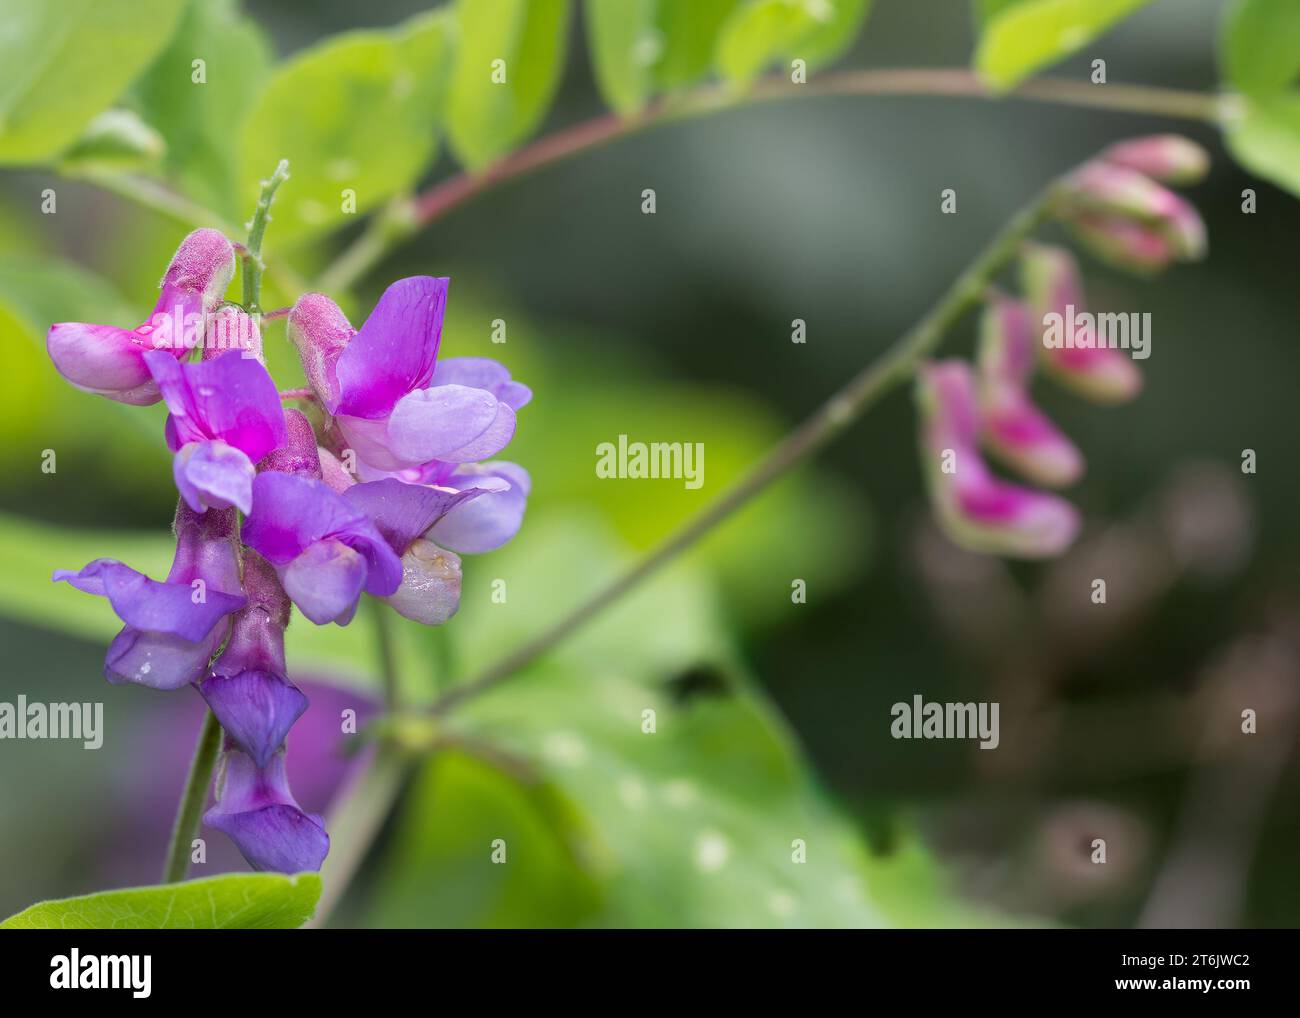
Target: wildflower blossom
{"type": "Point", "coordinates": [393, 403]}
{"type": "Point", "coordinates": [172, 628]}
{"type": "Point", "coordinates": [225, 417]}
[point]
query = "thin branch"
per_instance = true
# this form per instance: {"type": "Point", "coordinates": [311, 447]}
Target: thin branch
{"type": "Point", "coordinates": [193, 797]}
{"type": "Point", "coordinates": [829, 420]}
{"type": "Point", "coordinates": [253, 264]}
{"type": "Point", "coordinates": [356, 821]}
{"type": "Point", "coordinates": [151, 195]}
{"type": "Point", "coordinates": [385, 650]}
{"type": "Point", "coordinates": [387, 231]}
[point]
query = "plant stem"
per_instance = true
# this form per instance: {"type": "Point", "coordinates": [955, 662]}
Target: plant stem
{"type": "Point", "coordinates": [150, 194]}
{"type": "Point", "coordinates": [192, 801]}
{"type": "Point", "coordinates": [376, 241]}
{"type": "Point", "coordinates": [355, 823]}
{"type": "Point", "coordinates": [844, 407]}
{"type": "Point", "coordinates": [387, 652]}
{"type": "Point", "coordinates": [253, 264]}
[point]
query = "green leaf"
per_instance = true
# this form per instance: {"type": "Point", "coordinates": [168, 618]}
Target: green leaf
{"type": "Point", "coordinates": [692, 825]}
{"type": "Point", "coordinates": [61, 63]}
{"type": "Point", "coordinates": [640, 46]}
{"type": "Point", "coordinates": [508, 66]}
{"type": "Point", "coordinates": [355, 115]}
{"type": "Point", "coordinates": [689, 29]}
{"type": "Point", "coordinates": [625, 44]}
{"type": "Point", "coordinates": [201, 118]}
{"type": "Point", "coordinates": [235, 901]}
{"type": "Point", "coordinates": [1260, 48]}
{"type": "Point", "coordinates": [1025, 37]}
{"type": "Point", "coordinates": [1265, 138]}
{"type": "Point", "coordinates": [764, 31]}
{"type": "Point", "coordinates": [114, 141]}
{"type": "Point", "coordinates": [456, 807]}
{"type": "Point", "coordinates": [986, 10]}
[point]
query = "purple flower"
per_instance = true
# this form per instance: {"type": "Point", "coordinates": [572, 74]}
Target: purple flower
{"type": "Point", "coordinates": [393, 403]}
{"type": "Point", "coordinates": [976, 509]}
{"type": "Point", "coordinates": [172, 628]}
{"type": "Point", "coordinates": [256, 704]}
{"type": "Point", "coordinates": [256, 810]}
{"type": "Point", "coordinates": [247, 688]}
{"type": "Point", "coordinates": [430, 513]}
{"type": "Point", "coordinates": [324, 550]}
{"type": "Point", "coordinates": [1050, 277]}
{"type": "Point", "coordinates": [405, 514]}
{"type": "Point", "coordinates": [109, 361]}
{"type": "Point", "coordinates": [225, 416]}
{"type": "Point", "coordinates": [487, 522]}
{"type": "Point", "coordinates": [1014, 428]}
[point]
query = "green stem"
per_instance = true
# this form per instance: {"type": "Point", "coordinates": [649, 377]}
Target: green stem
{"type": "Point", "coordinates": [385, 231]}
{"type": "Point", "coordinates": [355, 823]}
{"type": "Point", "coordinates": [387, 651]}
{"type": "Point", "coordinates": [151, 195]}
{"type": "Point", "coordinates": [195, 794]}
{"type": "Point", "coordinates": [439, 200]}
{"type": "Point", "coordinates": [836, 414]}
{"type": "Point", "coordinates": [253, 264]}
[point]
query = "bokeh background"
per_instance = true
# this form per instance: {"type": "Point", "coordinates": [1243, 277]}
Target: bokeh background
{"type": "Point", "coordinates": [1119, 722]}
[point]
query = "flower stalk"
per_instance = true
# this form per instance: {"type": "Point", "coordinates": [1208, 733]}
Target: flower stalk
{"type": "Point", "coordinates": [193, 798]}
{"type": "Point", "coordinates": [253, 264]}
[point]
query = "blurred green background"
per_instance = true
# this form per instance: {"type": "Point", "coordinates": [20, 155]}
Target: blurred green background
{"type": "Point", "coordinates": [773, 718]}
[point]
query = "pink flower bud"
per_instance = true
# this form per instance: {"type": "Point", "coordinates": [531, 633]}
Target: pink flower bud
{"type": "Point", "coordinates": [109, 361]}
{"type": "Point", "coordinates": [1168, 157]}
{"type": "Point", "coordinates": [1124, 243]}
{"type": "Point", "coordinates": [320, 331]}
{"type": "Point", "coordinates": [1050, 278]}
{"type": "Point", "coordinates": [976, 509]}
{"type": "Point", "coordinates": [1013, 428]}
{"type": "Point", "coordinates": [1117, 192]}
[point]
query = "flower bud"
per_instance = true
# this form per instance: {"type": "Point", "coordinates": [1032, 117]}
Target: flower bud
{"type": "Point", "coordinates": [1107, 189]}
{"type": "Point", "coordinates": [1168, 157]}
{"type": "Point", "coordinates": [1020, 434]}
{"type": "Point", "coordinates": [976, 509]}
{"type": "Point", "coordinates": [1050, 279]}
{"type": "Point", "coordinates": [109, 361]}
{"type": "Point", "coordinates": [1124, 243]}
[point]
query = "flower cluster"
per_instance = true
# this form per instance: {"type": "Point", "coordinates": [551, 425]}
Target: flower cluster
{"type": "Point", "coordinates": [1116, 206]}
{"type": "Point", "coordinates": [270, 515]}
